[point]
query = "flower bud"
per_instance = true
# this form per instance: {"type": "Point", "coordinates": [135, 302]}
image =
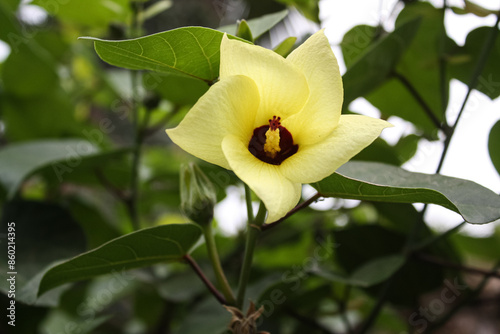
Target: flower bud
{"type": "Point", "coordinates": [198, 196]}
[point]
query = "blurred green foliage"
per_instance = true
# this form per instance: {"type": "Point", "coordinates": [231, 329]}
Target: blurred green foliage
{"type": "Point", "coordinates": [67, 144]}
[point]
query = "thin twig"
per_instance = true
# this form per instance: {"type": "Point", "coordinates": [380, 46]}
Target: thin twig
{"type": "Point", "coordinates": [205, 280]}
{"type": "Point", "coordinates": [420, 100]}
{"type": "Point", "coordinates": [458, 266]}
{"type": "Point", "coordinates": [299, 207]}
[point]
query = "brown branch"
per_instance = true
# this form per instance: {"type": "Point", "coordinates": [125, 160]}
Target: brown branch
{"type": "Point", "coordinates": [299, 207]}
{"type": "Point", "coordinates": [444, 263]}
{"type": "Point", "coordinates": [205, 280]}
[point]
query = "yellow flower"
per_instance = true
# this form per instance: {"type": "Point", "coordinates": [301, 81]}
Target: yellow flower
{"type": "Point", "coordinates": [276, 122]}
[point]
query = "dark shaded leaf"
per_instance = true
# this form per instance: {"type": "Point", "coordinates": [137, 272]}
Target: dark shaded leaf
{"type": "Point", "coordinates": [494, 145]}
{"type": "Point", "coordinates": [44, 233]}
{"type": "Point", "coordinates": [149, 246]}
{"type": "Point", "coordinates": [362, 246]}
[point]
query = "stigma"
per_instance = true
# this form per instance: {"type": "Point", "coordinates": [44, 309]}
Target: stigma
{"type": "Point", "coordinates": [272, 145]}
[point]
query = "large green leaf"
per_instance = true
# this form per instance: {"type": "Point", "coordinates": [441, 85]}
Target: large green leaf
{"type": "Point", "coordinates": [260, 25]}
{"type": "Point", "coordinates": [494, 145]}
{"type": "Point", "coordinates": [20, 160]}
{"type": "Point", "coordinates": [386, 183]}
{"type": "Point", "coordinates": [420, 67]}
{"type": "Point", "coordinates": [376, 64]}
{"type": "Point", "coordinates": [188, 51]}
{"type": "Point", "coordinates": [165, 243]}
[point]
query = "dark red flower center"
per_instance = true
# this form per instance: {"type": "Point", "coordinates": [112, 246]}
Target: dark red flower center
{"type": "Point", "coordinates": [272, 143]}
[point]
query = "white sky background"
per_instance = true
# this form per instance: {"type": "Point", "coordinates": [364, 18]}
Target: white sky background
{"type": "Point", "coordinates": [467, 157]}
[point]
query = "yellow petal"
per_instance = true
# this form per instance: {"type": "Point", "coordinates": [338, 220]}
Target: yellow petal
{"type": "Point", "coordinates": [229, 107]}
{"type": "Point", "coordinates": [314, 162]}
{"type": "Point", "coordinates": [321, 114]}
{"type": "Point", "coordinates": [283, 89]}
{"type": "Point", "coordinates": [277, 192]}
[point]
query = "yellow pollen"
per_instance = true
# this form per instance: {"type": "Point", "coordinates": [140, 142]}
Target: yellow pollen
{"type": "Point", "coordinates": [272, 145]}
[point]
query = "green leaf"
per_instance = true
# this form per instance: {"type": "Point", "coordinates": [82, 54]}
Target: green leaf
{"type": "Point", "coordinates": [208, 314]}
{"type": "Point", "coordinates": [165, 243]}
{"type": "Point", "coordinates": [244, 31]}
{"type": "Point", "coordinates": [17, 111]}
{"type": "Point", "coordinates": [360, 247]}
{"type": "Point", "coordinates": [356, 41]}
{"type": "Point", "coordinates": [260, 25]}
{"type": "Point", "coordinates": [39, 74]}
{"type": "Point", "coordinates": [494, 145]}
{"type": "Point", "coordinates": [465, 63]}
{"type": "Point", "coordinates": [373, 68]}
{"type": "Point", "coordinates": [472, 8]}
{"type": "Point", "coordinates": [88, 12]}
{"type": "Point", "coordinates": [285, 47]}
{"type": "Point", "coordinates": [486, 248]}
{"type": "Point", "coordinates": [23, 159]}
{"type": "Point", "coordinates": [379, 151]}
{"type": "Point", "coordinates": [407, 147]}
{"type": "Point", "coordinates": [176, 89]}
{"type": "Point", "coordinates": [189, 51]}
{"type": "Point", "coordinates": [368, 274]}
{"type": "Point", "coordinates": [386, 183]}
{"type": "Point", "coordinates": [310, 8]}
{"type": "Point", "coordinates": [378, 270]}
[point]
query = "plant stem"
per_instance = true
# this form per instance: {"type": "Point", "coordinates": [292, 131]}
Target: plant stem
{"type": "Point", "coordinates": [248, 201]}
{"type": "Point", "coordinates": [214, 259]}
{"type": "Point", "coordinates": [205, 280]}
{"type": "Point", "coordinates": [253, 231]}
